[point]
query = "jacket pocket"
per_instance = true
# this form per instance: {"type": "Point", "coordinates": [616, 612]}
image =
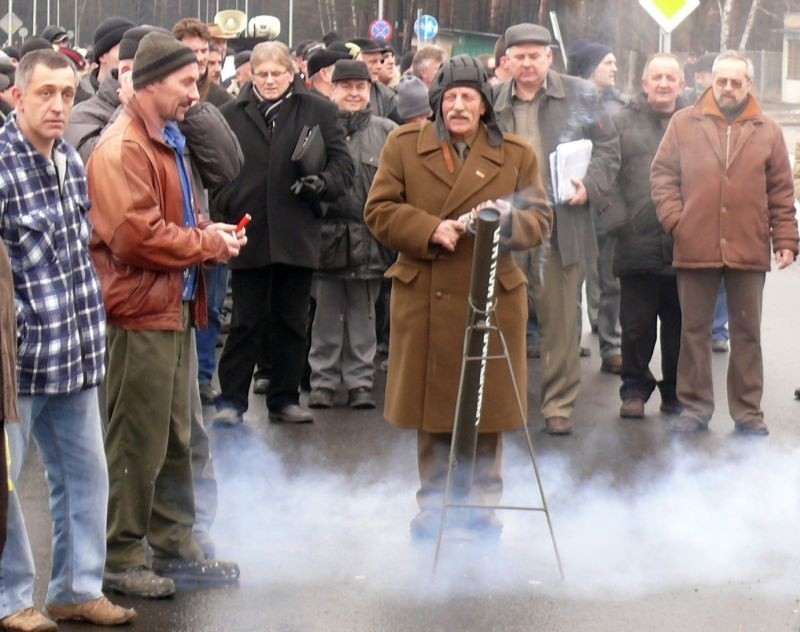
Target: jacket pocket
{"type": "Point", "coordinates": [510, 277]}
{"type": "Point", "coordinates": [402, 271]}
{"type": "Point", "coordinates": [334, 251]}
{"type": "Point", "coordinates": [36, 239]}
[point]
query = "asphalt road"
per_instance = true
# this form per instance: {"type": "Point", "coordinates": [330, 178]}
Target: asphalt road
{"type": "Point", "coordinates": [656, 532]}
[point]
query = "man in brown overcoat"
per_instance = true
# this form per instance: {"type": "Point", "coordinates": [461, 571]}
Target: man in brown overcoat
{"type": "Point", "coordinates": [430, 174]}
{"type": "Point", "coordinates": [8, 377]}
{"type": "Point", "coordinates": [722, 186]}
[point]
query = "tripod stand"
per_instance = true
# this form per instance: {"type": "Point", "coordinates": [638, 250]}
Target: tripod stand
{"type": "Point", "coordinates": [480, 327]}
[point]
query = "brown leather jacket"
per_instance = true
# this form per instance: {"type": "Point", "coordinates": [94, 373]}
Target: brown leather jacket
{"type": "Point", "coordinates": [724, 191]}
{"type": "Point", "coordinates": [139, 245]}
{"type": "Point", "coordinates": [8, 342]}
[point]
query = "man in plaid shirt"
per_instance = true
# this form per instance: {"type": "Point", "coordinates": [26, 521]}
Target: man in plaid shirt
{"type": "Point", "coordinates": [61, 329]}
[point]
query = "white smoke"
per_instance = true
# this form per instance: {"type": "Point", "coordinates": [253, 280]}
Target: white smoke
{"type": "Point", "coordinates": [705, 519]}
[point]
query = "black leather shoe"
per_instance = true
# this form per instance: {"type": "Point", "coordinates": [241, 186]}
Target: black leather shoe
{"type": "Point", "coordinates": [198, 571]}
{"type": "Point", "coordinates": [260, 386]}
{"type": "Point", "coordinates": [208, 394]}
{"type": "Point", "coordinates": [292, 414]}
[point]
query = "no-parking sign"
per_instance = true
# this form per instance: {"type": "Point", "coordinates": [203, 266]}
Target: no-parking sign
{"type": "Point", "coordinates": [380, 29]}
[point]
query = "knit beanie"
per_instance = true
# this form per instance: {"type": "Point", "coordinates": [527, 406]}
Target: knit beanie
{"type": "Point", "coordinates": [108, 34]}
{"type": "Point", "coordinates": [130, 41]}
{"type": "Point", "coordinates": [34, 43]}
{"type": "Point", "coordinates": [412, 99]}
{"type": "Point", "coordinates": [158, 56]}
{"type": "Point", "coordinates": [584, 57]}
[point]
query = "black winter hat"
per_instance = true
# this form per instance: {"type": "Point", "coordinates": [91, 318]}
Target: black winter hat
{"type": "Point", "coordinates": [158, 56]}
{"type": "Point", "coordinates": [349, 70]}
{"type": "Point", "coordinates": [323, 59]}
{"type": "Point", "coordinates": [463, 70]}
{"type": "Point", "coordinates": [108, 34]}
{"type": "Point", "coordinates": [241, 58]}
{"type": "Point", "coordinates": [54, 33]}
{"type": "Point", "coordinates": [13, 52]}
{"type": "Point", "coordinates": [130, 41]}
{"type": "Point", "coordinates": [583, 57]}
{"type": "Point", "coordinates": [34, 43]}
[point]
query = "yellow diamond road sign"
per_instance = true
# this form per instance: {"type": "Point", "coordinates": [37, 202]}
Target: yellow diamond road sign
{"type": "Point", "coordinates": [669, 13]}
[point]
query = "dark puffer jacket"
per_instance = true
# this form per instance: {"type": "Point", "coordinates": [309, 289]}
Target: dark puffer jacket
{"type": "Point", "coordinates": [348, 250]}
{"type": "Point", "coordinates": [642, 245]}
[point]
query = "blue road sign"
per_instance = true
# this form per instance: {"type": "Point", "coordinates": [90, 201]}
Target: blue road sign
{"type": "Point", "coordinates": [426, 27]}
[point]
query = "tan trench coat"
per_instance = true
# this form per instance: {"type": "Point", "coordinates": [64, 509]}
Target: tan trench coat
{"type": "Point", "coordinates": [411, 193]}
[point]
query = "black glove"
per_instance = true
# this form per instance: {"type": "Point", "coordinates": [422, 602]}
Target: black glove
{"type": "Point", "coordinates": [309, 188]}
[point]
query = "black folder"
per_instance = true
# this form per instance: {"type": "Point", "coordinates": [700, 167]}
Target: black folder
{"type": "Point", "coordinates": [309, 153]}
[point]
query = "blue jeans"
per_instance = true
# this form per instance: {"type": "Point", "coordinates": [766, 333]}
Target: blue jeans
{"type": "Point", "coordinates": [216, 285]}
{"type": "Point", "coordinates": [69, 437]}
{"type": "Point", "coordinates": [719, 330]}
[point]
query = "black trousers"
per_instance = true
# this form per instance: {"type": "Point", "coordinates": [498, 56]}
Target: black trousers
{"type": "Point", "coordinates": [644, 300]}
{"type": "Point", "coordinates": [272, 299]}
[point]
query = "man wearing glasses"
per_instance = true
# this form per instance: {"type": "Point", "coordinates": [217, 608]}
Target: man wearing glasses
{"type": "Point", "coordinates": [722, 186]}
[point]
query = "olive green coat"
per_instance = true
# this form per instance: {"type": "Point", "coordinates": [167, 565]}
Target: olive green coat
{"type": "Point", "coordinates": [411, 193]}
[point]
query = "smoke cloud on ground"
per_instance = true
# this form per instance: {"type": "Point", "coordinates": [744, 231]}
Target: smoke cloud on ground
{"type": "Point", "coordinates": [688, 519]}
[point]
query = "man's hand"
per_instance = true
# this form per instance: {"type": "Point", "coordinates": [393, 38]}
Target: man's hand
{"type": "Point", "coordinates": [235, 241]}
{"type": "Point", "coordinates": [784, 258]}
{"type": "Point", "coordinates": [447, 234]}
{"type": "Point", "coordinates": [125, 90]}
{"type": "Point", "coordinates": [309, 188]}
{"type": "Point", "coordinates": [502, 206]}
{"type": "Point", "coordinates": [580, 197]}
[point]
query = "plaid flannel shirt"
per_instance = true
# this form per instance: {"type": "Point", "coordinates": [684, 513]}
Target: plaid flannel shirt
{"type": "Point", "coordinates": [60, 317]}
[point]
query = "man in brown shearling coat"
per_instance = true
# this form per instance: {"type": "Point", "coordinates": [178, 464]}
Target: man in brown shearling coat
{"type": "Point", "coordinates": [430, 174]}
{"type": "Point", "coordinates": [722, 186]}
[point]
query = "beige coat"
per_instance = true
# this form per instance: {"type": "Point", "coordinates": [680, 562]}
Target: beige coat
{"type": "Point", "coordinates": [412, 192]}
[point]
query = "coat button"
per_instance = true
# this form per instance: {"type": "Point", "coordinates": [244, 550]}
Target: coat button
{"type": "Point", "coordinates": [724, 209]}
{"type": "Point", "coordinates": [722, 241]}
{"type": "Point", "coordinates": [439, 294]}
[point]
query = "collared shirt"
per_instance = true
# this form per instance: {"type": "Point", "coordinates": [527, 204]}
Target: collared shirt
{"type": "Point", "coordinates": [60, 317]}
{"type": "Point", "coordinates": [176, 140]}
{"type": "Point", "coordinates": [526, 124]}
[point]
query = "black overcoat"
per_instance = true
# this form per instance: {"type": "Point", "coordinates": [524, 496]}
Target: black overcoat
{"type": "Point", "coordinates": [284, 229]}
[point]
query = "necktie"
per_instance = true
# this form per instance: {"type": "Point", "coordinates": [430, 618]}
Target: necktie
{"type": "Point", "coordinates": [462, 149]}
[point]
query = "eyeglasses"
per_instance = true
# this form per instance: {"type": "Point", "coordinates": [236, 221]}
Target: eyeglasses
{"type": "Point", "coordinates": [270, 75]}
{"type": "Point", "coordinates": [736, 84]}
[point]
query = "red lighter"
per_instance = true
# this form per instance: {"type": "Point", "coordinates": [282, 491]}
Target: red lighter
{"type": "Point", "coordinates": [243, 222]}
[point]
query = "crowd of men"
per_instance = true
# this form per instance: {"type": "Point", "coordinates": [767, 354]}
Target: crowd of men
{"type": "Point", "coordinates": [124, 224]}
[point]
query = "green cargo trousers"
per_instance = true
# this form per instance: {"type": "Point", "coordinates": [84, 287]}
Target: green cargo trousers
{"type": "Point", "coordinates": [148, 447]}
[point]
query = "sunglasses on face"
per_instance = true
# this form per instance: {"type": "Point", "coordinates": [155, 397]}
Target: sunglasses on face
{"type": "Point", "coordinates": [736, 84]}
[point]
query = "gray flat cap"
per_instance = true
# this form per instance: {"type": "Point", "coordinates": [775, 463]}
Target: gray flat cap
{"type": "Point", "coordinates": [527, 33]}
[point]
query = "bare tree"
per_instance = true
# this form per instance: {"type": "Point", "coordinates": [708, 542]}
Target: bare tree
{"type": "Point", "coordinates": [725, 10]}
{"type": "Point", "coordinates": [748, 25]}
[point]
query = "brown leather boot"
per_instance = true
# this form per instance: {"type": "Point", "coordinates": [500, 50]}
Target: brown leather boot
{"type": "Point", "coordinates": [99, 611]}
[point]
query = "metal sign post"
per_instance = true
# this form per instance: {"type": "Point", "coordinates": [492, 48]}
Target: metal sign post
{"type": "Point", "coordinates": [469, 402]}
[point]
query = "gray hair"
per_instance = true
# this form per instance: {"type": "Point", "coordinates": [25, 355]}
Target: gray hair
{"type": "Point", "coordinates": [736, 56]}
{"type": "Point", "coordinates": [46, 57]}
{"type": "Point", "coordinates": [655, 56]}
{"type": "Point", "coordinates": [272, 51]}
